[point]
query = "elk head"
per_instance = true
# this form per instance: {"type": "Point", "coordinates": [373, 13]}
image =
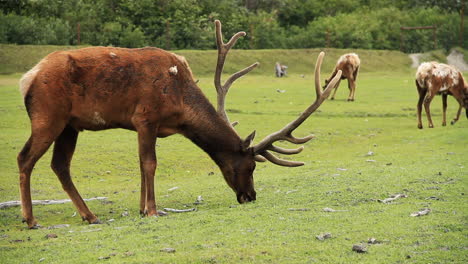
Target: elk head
{"type": "Point", "coordinates": [240, 166]}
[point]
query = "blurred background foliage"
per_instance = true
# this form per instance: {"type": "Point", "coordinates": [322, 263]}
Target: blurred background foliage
{"type": "Point", "coordinates": [188, 24]}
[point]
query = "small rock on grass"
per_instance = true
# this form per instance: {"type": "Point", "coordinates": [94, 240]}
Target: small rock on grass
{"type": "Point", "coordinates": [359, 248]}
{"type": "Point", "coordinates": [324, 236]}
{"type": "Point", "coordinates": [168, 250]}
{"type": "Point", "coordinates": [199, 200]}
{"type": "Point", "coordinates": [51, 236]}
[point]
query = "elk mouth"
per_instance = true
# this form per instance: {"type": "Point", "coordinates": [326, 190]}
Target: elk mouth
{"type": "Point", "coordinates": [244, 197]}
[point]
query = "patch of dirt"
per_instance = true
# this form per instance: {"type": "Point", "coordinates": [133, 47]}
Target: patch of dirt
{"type": "Point", "coordinates": [415, 58]}
{"type": "Point", "coordinates": [456, 59]}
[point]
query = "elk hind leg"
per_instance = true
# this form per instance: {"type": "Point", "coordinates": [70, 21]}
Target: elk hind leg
{"type": "Point", "coordinates": [42, 136]}
{"type": "Point", "coordinates": [444, 109]}
{"type": "Point", "coordinates": [64, 148]}
{"type": "Point", "coordinates": [458, 96]}
{"type": "Point", "coordinates": [458, 115]}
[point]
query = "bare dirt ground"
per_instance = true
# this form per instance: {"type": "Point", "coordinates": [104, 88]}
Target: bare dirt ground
{"type": "Point", "coordinates": [415, 58]}
{"type": "Point", "coordinates": [455, 58]}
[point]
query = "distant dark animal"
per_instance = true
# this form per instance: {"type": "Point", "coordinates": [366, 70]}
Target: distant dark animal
{"type": "Point", "coordinates": [349, 65]}
{"type": "Point", "coordinates": [433, 79]}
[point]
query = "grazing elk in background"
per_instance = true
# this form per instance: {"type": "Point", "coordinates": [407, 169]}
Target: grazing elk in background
{"type": "Point", "coordinates": [348, 64]}
{"type": "Point", "coordinates": [434, 78]}
{"type": "Point", "coordinates": [152, 92]}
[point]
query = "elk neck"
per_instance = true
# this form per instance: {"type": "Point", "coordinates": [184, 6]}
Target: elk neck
{"type": "Point", "coordinates": [204, 127]}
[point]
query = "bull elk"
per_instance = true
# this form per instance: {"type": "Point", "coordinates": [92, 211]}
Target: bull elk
{"type": "Point", "coordinates": [349, 65]}
{"type": "Point", "coordinates": [152, 92]}
{"type": "Point", "coordinates": [434, 78]}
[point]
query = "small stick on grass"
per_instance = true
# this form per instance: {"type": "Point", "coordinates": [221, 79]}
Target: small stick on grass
{"type": "Point", "coordinates": [393, 198]}
{"type": "Point", "coordinates": [44, 202]}
{"type": "Point", "coordinates": [298, 209]}
{"type": "Point", "coordinates": [421, 213]}
{"type": "Point", "coordinates": [172, 210]}
{"type": "Point", "coordinates": [330, 210]}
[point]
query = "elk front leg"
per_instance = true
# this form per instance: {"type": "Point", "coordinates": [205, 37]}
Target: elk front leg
{"type": "Point", "coordinates": [142, 192]}
{"type": "Point", "coordinates": [64, 148]}
{"type": "Point", "coordinates": [422, 94]}
{"type": "Point", "coordinates": [352, 88]}
{"type": "Point", "coordinates": [444, 109]}
{"type": "Point", "coordinates": [427, 103]}
{"type": "Point", "coordinates": [335, 89]}
{"type": "Point", "coordinates": [148, 163]}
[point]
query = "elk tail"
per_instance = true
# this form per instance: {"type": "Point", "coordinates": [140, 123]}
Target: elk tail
{"type": "Point", "coordinates": [27, 79]}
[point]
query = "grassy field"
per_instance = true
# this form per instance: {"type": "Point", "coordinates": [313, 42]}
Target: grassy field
{"type": "Point", "coordinates": [364, 151]}
{"type": "Point", "coordinates": [20, 58]}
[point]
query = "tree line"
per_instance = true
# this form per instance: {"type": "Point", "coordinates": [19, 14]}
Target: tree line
{"type": "Point", "coordinates": [188, 24]}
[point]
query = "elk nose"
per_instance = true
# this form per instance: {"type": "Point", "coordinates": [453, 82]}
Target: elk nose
{"type": "Point", "coordinates": [246, 197]}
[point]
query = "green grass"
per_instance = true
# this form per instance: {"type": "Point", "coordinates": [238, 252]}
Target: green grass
{"type": "Point", "coordinates": [419, 163]}
{"type": "Point", "coordinates": [20, 58]}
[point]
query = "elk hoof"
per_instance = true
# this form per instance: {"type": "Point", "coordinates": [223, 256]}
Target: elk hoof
{"type": "Point", "coordinates": [35, 226]}
{"type": "Point", "coordinates": [96, 222]}
{"type": "Point", "coordinates": [158, 214]}
{"type": "Point", "coordinates": [453, 122]}
{"type": "Point", "coordinates": [420, 126]}
{"type": "Point", "coordinates": [32, 224]}
{"type": "Point", "coordinates": [444, 124]}
{"type": "Point", "coordinates": [431, 126]}
{"type": "Point", "coordinates": [333, 98]}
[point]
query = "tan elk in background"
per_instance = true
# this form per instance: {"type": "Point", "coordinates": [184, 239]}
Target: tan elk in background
{"type": "Point", "coordinates": [433, 79]}
{"type": "Point", "coordinates": [349, 65]}
{"type": "Point", "coordinates": [152, 92]}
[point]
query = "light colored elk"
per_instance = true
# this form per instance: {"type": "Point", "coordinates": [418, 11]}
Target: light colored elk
{"type": "Point", "coordinates": [152, 92]}
{"type": "Point", "coordinates": [433, 79]}
{"type": "Point", "coordinates": [349, 65]}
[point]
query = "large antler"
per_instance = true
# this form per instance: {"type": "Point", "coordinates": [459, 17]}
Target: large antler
{"type": "Point", "coordinates": [262, 149]}
{"type": "Point", "coordinates": [223, 49]}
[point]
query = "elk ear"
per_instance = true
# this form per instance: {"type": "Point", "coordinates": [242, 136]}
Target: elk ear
{"type": "Point", "coordinates": [247, 141]}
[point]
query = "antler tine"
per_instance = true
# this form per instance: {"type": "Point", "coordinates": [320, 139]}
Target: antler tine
{"type": "Point", "coordinates": [223, 49]}
{"type": "Point", "coordinates": [285, 133]}
{"type": "Point", "coordinates": [281, 162]}
{"type": "Point", "coordinates": [318, 64]}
